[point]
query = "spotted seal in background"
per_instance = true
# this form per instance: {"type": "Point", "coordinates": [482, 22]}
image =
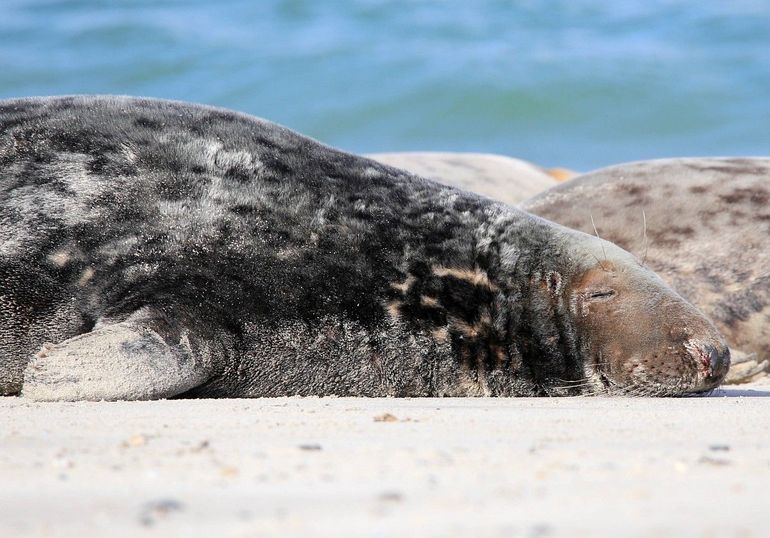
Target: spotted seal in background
{"type": "Point", "coordinates": [151, 249]}
{"type": "Point", "coordinates": [496, 176]}
{"type": "Point", "coordinates": [708, 234]}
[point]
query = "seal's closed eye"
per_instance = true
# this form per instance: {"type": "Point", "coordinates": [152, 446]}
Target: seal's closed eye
{"type": "Point", "coordinates": [600, 295]}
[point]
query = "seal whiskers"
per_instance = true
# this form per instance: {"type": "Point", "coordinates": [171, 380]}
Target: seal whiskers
{"type": "Point", "coordinates": [597, 236]}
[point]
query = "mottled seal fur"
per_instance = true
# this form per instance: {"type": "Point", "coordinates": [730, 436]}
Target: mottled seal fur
{"type": "Point", "coordinates": [151, 249]}
{"type": "Point", "coordinates": [707, 233]}
{"type": "Point", "coordinates": [495, 176]}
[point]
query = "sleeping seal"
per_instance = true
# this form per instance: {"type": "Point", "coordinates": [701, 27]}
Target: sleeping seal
{"type": "Point", "coordinates": [151, 249]}
{"type": "Point", "coordinates": [707, 233]}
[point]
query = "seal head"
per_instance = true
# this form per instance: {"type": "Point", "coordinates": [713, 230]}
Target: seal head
{"type": "Point", "coordinates": [640, 338]}
{"type": "Point", "coordinates": [632, 333]}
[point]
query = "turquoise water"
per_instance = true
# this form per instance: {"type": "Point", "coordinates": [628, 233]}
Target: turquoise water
{"type": "Point", "coordinates": [578, 83]}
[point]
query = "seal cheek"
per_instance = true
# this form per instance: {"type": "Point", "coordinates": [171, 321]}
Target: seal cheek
{"type": "Point", "coordinates": [618, 366]}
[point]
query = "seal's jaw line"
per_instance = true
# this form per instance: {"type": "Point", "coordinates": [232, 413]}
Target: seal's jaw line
{"type": "Point", "coordinates": [600, 381]}
{"type": "Point", "coordinates": [605, 381]}
{"type": "Point", "coordinates": [596, 381]}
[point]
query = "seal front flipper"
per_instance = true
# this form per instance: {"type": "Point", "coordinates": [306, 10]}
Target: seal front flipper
{"type": "Point", "coordinates": [146, 356]}
{"type": "Point", "coordinates": [745, 367]}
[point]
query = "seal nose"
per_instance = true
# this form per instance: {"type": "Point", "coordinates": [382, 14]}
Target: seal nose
{"type": "Point", "coordinates": [714, 362]}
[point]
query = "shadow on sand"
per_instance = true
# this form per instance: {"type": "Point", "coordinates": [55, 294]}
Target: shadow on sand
{"type": "Point", "coordinates": [741, 392]}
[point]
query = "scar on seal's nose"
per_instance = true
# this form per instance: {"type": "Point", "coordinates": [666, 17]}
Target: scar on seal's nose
{"type": "Point", "coordinates": [714, 361]}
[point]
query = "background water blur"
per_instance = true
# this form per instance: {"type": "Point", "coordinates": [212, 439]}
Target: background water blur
{"type": "Point", "coordinates": [577, 83]}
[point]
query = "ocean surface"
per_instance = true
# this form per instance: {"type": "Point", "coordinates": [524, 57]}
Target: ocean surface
{"type": "Point", "coordinates": [574, 83]}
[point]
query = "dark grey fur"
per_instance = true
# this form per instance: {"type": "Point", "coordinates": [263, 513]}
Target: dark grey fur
{"type": "Point", "coordinates": [707, 234]}
{"type": "Point", "coordinates": [151, 249]}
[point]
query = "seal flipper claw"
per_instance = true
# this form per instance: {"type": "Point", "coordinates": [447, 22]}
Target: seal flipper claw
{"type": "Point", "coordinates": [141, 358]}
{"type": "Point", "coordinates": [745, 367]}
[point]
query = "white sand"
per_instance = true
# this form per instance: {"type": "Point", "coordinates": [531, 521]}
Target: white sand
{"type": "Point", "coordinates": [449, 467]}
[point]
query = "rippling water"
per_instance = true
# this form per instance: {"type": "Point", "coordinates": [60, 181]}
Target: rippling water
{"type": "Point", "coordinates": [578, 83]}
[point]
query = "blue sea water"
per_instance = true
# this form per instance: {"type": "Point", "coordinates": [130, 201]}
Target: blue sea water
{"type": "Point", "coordinates": [575, 83]}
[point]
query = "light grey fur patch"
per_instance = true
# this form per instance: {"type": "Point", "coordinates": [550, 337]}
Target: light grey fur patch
{"type": "Point", "coordinates": [118, 361]}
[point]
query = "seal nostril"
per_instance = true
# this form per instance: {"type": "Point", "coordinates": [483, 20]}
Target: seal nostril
{"type": "Point", "coordinates": [708, 358]}
{"type": "Point", "coordinates": [714, 361]}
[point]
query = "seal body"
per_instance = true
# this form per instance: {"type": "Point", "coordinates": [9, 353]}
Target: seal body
{"type": "Point", "coordinates": [495, 176]}
{"type": "Point", "coordinates": [151, 249]}
{"type": "Point", "coordinates": [703, 224]}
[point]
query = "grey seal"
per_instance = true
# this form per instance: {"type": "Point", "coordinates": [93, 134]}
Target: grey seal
{"type": "Point", "coordinates": [703, 224]}
{"type": "Point", "coordinates": [503, 178]}
{"type": "Point", "coordinates": [155, 249]}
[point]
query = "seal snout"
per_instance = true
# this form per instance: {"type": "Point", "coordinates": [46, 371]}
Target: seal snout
{"type": "Point", "coordinates": [714, 362]}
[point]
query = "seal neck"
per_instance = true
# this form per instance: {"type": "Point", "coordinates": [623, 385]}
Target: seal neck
{"type": "Point", "coordinates": [528, 261]}
{"type": "Point", "coordinates": [500, 306]}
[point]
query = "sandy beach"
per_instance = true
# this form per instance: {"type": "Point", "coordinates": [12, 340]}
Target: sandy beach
{"type": "Point", "coordinates": [389, 467]}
